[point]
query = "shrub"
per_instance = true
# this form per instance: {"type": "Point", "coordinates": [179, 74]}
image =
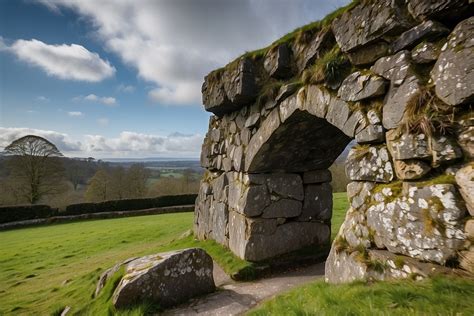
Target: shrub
{"type": "Point", "coordinates": [130, 204]}
{"type": "Point", "coordinates": [25, 212]}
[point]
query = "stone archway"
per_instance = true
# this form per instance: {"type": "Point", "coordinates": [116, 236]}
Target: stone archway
{"type": "Point", "coordinates": [266, 189]}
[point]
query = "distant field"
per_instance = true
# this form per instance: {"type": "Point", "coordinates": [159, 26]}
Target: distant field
{"type": "Point", "coordinates": [45, 268]}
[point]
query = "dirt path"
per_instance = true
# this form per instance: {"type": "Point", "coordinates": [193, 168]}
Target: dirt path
{"type": "Point", "coordinates": [235, 298]}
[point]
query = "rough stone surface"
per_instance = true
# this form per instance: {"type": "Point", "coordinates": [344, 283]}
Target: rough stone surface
{"type": "Point", "coordinates": [369, 22]}
{"type": "Point", "coordinates": [167, 278]}
{"type": "Point", "coordinates": [438, 9]}
{"type": "Point", "coordinates": [410, 169]}
{"type": "Point", "coordinates": [359, 86]}
{"type": "Point", "coordinates": [369, 164]}
{"type": "Point", "coordinates": [453, 73]}
{"type": "Point", "coordinates": [317, 176]}
{"type": "Point", "coordinates": [427, 30]}
{"type": "Point", "coordinates": [397, 100]}
{"type": "Point", "coordinates": [345, 267]}
{"type": "Point", "coordinates": [426, 52]}
{"type": "Point", "coordinates": [423, 223]}
{"type": "Point", "coordinates": [266, 187]}
{"type": "Point", "coordinates": [277, 62]}
{"type": "Point", "coordinates": [465, 181]}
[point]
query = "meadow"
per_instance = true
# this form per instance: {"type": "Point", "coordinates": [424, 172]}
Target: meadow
{"type": "Point", "coordinates": [43, 269]}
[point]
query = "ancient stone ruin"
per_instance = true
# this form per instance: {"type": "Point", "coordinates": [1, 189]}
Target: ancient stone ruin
{"type": "Point", "coordinates": [398, 78]}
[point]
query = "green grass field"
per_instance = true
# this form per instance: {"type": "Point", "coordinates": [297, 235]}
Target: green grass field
{"type": "Point", "coordinates": [44, 269]}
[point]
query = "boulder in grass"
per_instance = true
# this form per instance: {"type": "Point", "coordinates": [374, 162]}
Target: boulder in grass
{"type": "Point", "coordinates": [165, 279]}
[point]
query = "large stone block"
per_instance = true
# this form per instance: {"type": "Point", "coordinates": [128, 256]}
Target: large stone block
{"type": "Point", "coordinates": [283, 208]}
{"type": "Point", "coordinates": [423, 223]}
{"type": "Point", "coordinates": [230, 89]}
{"type": "Point", "coordinates": [369, 164]}
{"type": "Point", "coordinates": [438, 9]}
{"type": "Point", "coordinates": [312, 47]}
{"type": "Point", "coordinates": [359, 86]}
{"type": "Point", "coordinates": [317, 203]}
{"type": "Point", "coordinates": [397, 101]}
{"type": "Point", "coordinates": [317, 176]}
{"type": "Point", "coordinates": [453, 73]}
{"type": "Point", "coordinates": [407, 145]}
{"type": "Point", "coordinates": [465, 181]}
{"type": "Point", "coordinates": [165, 278]}
{"type": "Point", "coordinates": [427, 30]}
{"type": "Point", "coordinates": [248, 200]}
{"type": "Point", "coordinates": [278, 61]}
{"type": "Point", "coordinates": [368, 22]}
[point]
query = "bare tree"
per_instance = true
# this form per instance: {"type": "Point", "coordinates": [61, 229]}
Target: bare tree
{"type": "Point", "coordinates": [99, 187]}
{"type": "Point", "coordinates": [35, 167]}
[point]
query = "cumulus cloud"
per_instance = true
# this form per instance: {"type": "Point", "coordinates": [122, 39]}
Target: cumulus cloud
{"type": "Point", "coordinates": [138, 144]}
{"type": "Point", "coordinates": [126, 88]}
{"type": "Point", "coordinates": [75, 114]}
{"type": "Point", "coordinates": [68, 62]}
{"type": "Point", "coordinates": [62, 141]}
{"type": "Point", "coordinates": [127, 144]}
{"type": "Point", "coordinates": [174, 44]}
{"type": "Point", "coordinates": [110, 101]}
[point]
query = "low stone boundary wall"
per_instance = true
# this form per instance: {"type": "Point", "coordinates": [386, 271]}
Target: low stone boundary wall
{"type": "Point", "coordinates": [103, 215]}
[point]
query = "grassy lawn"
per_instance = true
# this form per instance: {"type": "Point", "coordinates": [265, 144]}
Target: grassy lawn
{"type": "Point", "coordinates": [438, 296]}
{"type": "Point", "coordinates": [43, 269]}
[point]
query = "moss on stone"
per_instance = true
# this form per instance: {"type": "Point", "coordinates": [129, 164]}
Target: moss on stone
{"type": "Point", "coordinates": [399, 262]}
{"type": "Point", "coordinates": [440, 179]}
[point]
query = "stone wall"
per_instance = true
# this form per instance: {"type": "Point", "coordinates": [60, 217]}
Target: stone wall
{"type": "Point", "coordinates": [397, 78]}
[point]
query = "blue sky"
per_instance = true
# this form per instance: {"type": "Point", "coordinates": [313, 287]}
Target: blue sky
{"type": "Point", "coordinates": [107, 78]}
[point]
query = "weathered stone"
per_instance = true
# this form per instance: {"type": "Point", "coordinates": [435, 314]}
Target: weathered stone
{"type": "Point", "coordinates": [410, 169]}
{"type": "Point", "coordinates": [286, 238]}
{"type": "Point", "coordinates": [166, 279]}
{"type": "Point", "coordinates": [107, 274]}
{"type": "Point", "coordinates": [285, 91]}
{"type": "Point", "coordinates": [465, 135]}
{"type": "Point", "coordinates": [453, 73]}
{"type": "Point", "coordinates": [465, 181]}
{"type": "Point", "coordinates": [220, 219]}
{"type": "Point", "coordinates": [237, 158]}
{"type": "Point", "coordinates": [338, 113]}
{"type": "Point", "coordinates": [426, 52]}
{"type": "Point", "coordinates": [277, 61]}
{"type": "Point", "coordinates": [317, 100]}
{"type": "Point", "coordinates": [469, 229]}
{"type": "Point", "coordinates": [437, 9]}
{"type": "Point", "coordinates": [307, 50]}
{"type": "Point", "coordinates": [286, 185]}
{"type": "Point", "coordinates": [283, 208]}
{"type": "Point", "coordinates": [368, 22]}
{"type": "Point", "coordinates": [397, 100]}
{"type": "Point", "coordinates": [249, 201]}
{"type": "Point", "coordinates": [359, 86]}
{"type": "Point", "coordinates": [466, 259]}
{"type": "Point", "coordinates": [395, 67]}
{"type": "Point", "coordinates": [428, 30]}
{"type": "Point", "coordinates": [354, 123]}
{"type": "Point", "coordinates": [368, 54]}
{"type": "Point", "coordinates": [408, 146]}
{"type": "Point", "coordinates": [371, 134]}
{"type": "Point", "coordinates": [369, 164]}
{"type": "Point", "coordinates": [288, 107]}
{"type": "Point", "coordinates": [317, 176]}
{"type": "Point", "coordinates": [317, 203]}
{"type": "Point", "coordinates": [432, 211]}
{"type": "Point", "coordinates": [230, 89]}
{"type": "Point", "coordinates": [344, 266]}
{"type": "Point", "coordinates": [444, 149]}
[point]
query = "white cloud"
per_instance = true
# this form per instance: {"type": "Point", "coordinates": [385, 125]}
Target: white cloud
{"type": "Point", "coordinates": [42, 98]}
{"type": "Point", "coordinates": [141, 145]}
{"type": "Point", "coordinates": [75, 114]}
{"type": "Point", "coordinates": [62, 141]}
{"type": "Point", "coordinates": [127, 144]}
{"type": "Point", "coordinates": [103, 121]}
{"type": "Point", "coordinates": [68, 62]}
{"type": "Point", "coordinates": [126, 88]}
{"type": "Point", "coordinates": [174, 44]}
{"type": "Point", "coordinates": [110, 101]}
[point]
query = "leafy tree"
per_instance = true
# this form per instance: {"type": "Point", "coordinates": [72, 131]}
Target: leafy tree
{"type": "Point", "coordinates": [98, 189]}
{"type": "Point", "coordinates": [136, 180]}
{"type": "Point", "coordinates": [35, 169]}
